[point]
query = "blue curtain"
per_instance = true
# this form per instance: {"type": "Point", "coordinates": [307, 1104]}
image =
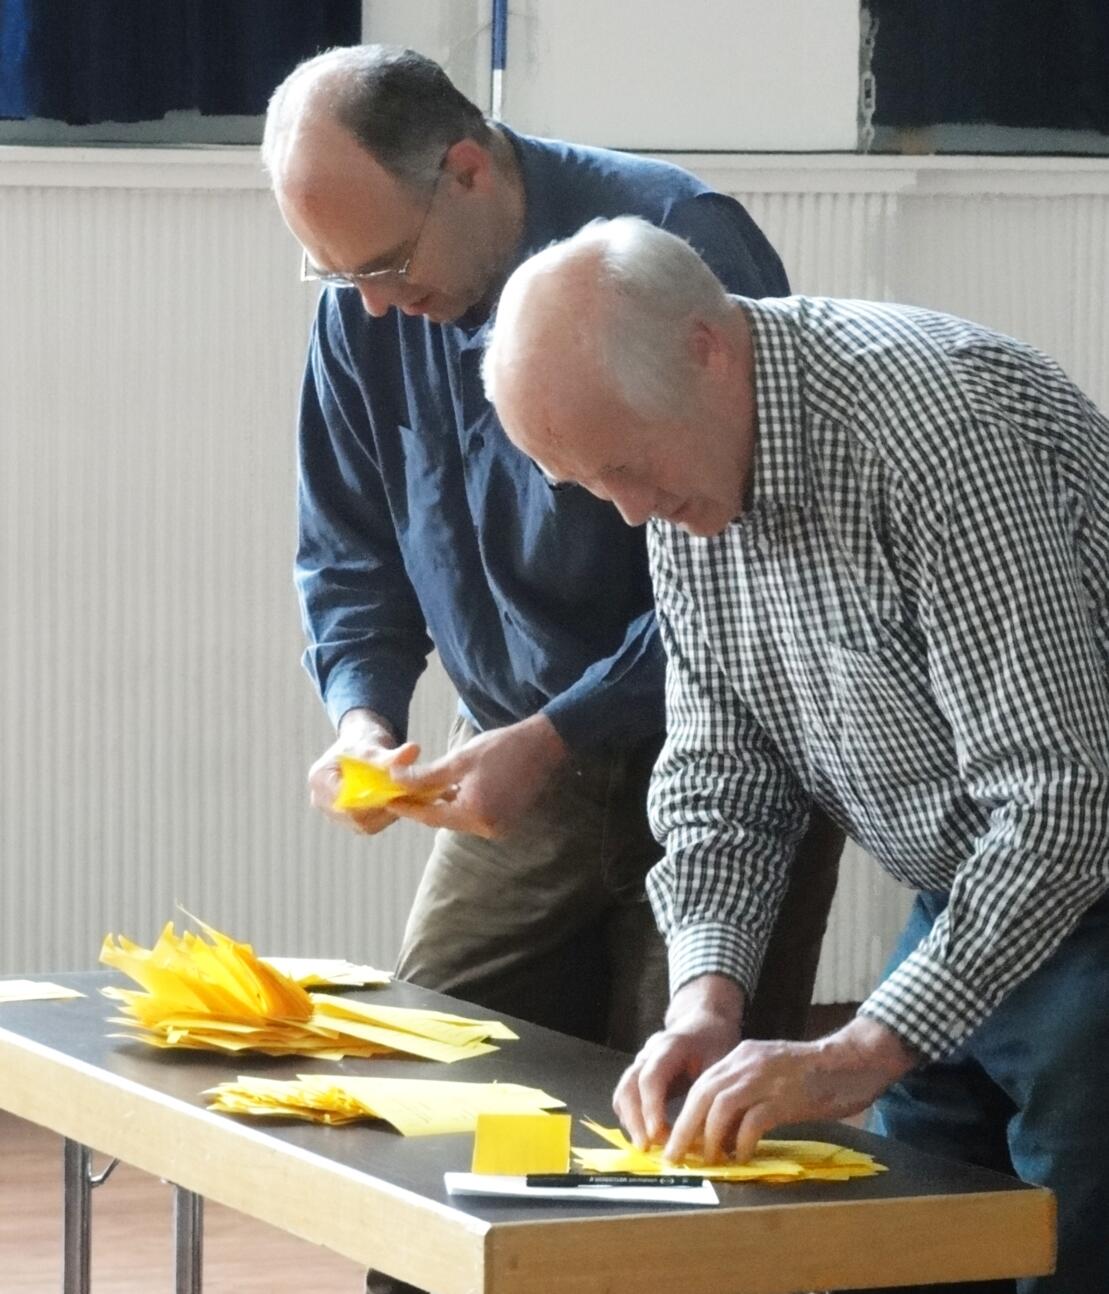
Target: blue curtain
{"type": "Point", "coordinates": [86, 61]}
{"type": "Point", "coordinates": [999, 62]}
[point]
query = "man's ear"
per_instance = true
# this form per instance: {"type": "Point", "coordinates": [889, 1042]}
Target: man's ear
{"type": "Point", "coordinates": [469, 164]}
{"type": "Point", "coordinates": [704, 346]}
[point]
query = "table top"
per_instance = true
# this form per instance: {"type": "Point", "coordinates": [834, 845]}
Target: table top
{"type": "Point", "coordinates": [378, 1198]}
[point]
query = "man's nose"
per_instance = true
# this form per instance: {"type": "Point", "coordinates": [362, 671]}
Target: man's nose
{"type": "Point", "coordinates": [376, 298]}
{"type": "Point", "coordinates": [635, 503]}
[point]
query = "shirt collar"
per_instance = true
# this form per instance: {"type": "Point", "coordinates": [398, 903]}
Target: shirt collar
{"type": "Point", "coordinates": [779, 473]}
{"type": "Point", "coordinates": [538, 229]}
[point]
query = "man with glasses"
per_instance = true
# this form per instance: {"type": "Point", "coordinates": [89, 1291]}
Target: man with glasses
{"type": "Point", "coordinates": [421, 525]}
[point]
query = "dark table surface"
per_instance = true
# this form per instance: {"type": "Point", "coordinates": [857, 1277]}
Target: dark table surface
{"type": "Point", "coordinates": [579, 1073]}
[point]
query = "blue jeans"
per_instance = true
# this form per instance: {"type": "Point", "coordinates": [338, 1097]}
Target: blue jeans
{"type": "Point", "coordinates": [1027, 1094]}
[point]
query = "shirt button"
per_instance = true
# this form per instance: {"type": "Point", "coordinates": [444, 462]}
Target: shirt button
{"type": "Point", "coordinates": [477, 441]}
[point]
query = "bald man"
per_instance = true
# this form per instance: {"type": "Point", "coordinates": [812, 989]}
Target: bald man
{"type": "Point", "coordinates": [879, 538]}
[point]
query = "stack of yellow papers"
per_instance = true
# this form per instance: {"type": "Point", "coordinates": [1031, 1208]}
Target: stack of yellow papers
{"type": "Point", "coordinates": [367, 786]}
{"type": "Point", "coordinates": [218, 996]}
{"type": "Point", "coordinates": [773, 1161]}
{"type": "Point", "coordinates": [415, 1107]}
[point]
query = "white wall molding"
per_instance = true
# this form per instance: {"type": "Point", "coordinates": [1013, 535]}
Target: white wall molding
{"type": "Point", "coordinates": [239, 168]}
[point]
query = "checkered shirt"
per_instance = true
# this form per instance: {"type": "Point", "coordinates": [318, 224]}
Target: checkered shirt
{"type": "Point", "coordinates": [908, 626]}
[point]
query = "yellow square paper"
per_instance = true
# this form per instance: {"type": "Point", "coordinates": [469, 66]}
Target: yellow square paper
{"type": "Point", "coordinates": [515, 1144]}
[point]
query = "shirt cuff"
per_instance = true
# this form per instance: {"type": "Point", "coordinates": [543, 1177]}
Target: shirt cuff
{"type": "Point", "coordinates": [713, 948]}
{"type": "Point", "coordinates": [354, 691]}
{"type": "Point", "coordinates": [590, 720]}
{"type": "Point", "coordinates": [927, 1006]}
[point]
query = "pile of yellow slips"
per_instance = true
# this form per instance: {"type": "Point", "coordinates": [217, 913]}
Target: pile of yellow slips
{"type": "Point", "coordinates": [773, 1161]}
{"type": "Point", "coordinates": [219, 996]}
{"type": "Point", "coordinates": [415, 1107]}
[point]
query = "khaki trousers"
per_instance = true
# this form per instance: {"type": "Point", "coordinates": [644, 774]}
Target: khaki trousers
{"type": "Point", "coordinates": [551, 923]}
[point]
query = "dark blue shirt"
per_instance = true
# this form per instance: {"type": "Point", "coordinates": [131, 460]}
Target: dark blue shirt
{"type": "Point", "coordinates": [421, 524]}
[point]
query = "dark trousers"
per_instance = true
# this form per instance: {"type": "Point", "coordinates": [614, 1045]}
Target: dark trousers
{"type": "Point", "coordinates": [1028, 1095]}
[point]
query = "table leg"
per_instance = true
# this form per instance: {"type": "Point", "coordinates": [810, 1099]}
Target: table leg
{"type": "Point", "coordinates": [188, 1241]}
{"type": "Point", "coordinates": [77, 1218]}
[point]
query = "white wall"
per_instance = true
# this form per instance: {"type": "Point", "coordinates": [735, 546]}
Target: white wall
{"type": "Point", "coordinates": [776, 75]}
{"type": "Point", "coordinates": [156, 724]}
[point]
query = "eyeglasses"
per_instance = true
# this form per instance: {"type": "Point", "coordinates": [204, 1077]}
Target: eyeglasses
{"type": "Point", "coordinates": [393, 275]}
{"type": "Point", "coordinates": [553, 483]}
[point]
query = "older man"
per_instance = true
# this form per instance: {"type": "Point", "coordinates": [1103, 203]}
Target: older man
{"type": "Point", "coordinates": [880, 540]}
{"type": "Point", "coordinates": [420, 524]}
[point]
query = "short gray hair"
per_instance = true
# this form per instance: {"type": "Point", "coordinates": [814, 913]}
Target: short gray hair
{"type": "Point", "coordinates": [400, 106]}
{"type": "Point", "coordinates": [653, 286]}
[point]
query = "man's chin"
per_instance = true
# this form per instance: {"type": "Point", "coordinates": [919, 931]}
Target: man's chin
{"type": "Point", "coordinates": [701, 524]}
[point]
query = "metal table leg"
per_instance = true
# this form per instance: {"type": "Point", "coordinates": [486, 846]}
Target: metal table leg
{"type": "Point", "coordinates": [188, 1241]}
{"type": "Point", "coordinates": [78, 1182]}
{"type": "Point", "coordinates": [77, 1220]}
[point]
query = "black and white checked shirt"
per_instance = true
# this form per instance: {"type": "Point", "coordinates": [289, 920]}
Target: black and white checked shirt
{"type": "Point", "coordinates": [910, 627]}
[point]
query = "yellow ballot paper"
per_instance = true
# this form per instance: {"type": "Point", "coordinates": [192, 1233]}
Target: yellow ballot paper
{"type": "Point", "coordinates": [415, 1107]}
{"type": "Point", "coordinates": [518, 1144]}
{"type": "Point", "coordinates": [368, 786]}
{"type": "Point", "coordinates": [34, 990]}
{"type": "Point", "coordinates": [328, 972]}
{"type": "Point", "coordinates": [219, 996]}
{"type": "Point", "coordinates": [773, 1161]}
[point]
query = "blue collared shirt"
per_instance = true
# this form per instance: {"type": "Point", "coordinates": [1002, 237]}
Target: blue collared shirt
{"type": "Point", "coordinates": [421, 524]}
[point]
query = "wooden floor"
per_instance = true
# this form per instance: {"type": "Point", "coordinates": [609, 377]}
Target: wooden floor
{"type": "Point", "coordinates": [132, 1237]}
{"type": "Point", "coordinates": [132, 1219]}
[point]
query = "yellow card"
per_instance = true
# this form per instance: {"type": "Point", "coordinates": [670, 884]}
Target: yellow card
{"type": "Point", "coordinates": [515, 1144]}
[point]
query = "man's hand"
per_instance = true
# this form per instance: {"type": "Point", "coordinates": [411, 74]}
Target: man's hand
{"type": "Point", "coordinates": [495, 778]}
{"type": "Point", "coordinates": [702, 1024]}
{"type": "Point", "coordinates": [368, 737]}
{"type": "Point", "coordinates": [759, 1085]}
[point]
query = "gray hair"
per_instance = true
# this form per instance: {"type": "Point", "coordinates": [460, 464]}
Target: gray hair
{"type": "Point", "coordinates": [400, 106]}
{"type": "Point", "coordinates": [652, 287]}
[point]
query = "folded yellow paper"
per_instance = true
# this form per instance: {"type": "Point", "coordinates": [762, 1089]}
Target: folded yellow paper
{"type": "Point", "coordinates": [218, 996]}
{"type": "Point", "coordinates": [368, 786]}
{"type": "Point", "coordinates": [517, 1144]}
{"type": "Point", "coordinates": [415, 1107]}
{"type": "Point", "coordinates": [773, 1161]}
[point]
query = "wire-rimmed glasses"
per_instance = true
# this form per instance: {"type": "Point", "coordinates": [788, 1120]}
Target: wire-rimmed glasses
{"type": "Point", "coordinates": [393, 274]}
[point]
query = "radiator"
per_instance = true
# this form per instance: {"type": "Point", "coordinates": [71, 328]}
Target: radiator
{"type": "Point", "coordinates": [156, 724]}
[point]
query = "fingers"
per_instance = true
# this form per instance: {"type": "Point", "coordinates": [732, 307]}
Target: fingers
{"type": "Point", "coordinates": [325, 777]}
{"type": "Point", "coordinates": [401, 758]}
{"type": "Point", "coordinates": [449, 811]}
{"type": "Point", "coordinates": [755, 1124]}
{"type": "Point", "coordinates": [626, 1102]}
{"type": "Point", "coordinates": [641, 1095]}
